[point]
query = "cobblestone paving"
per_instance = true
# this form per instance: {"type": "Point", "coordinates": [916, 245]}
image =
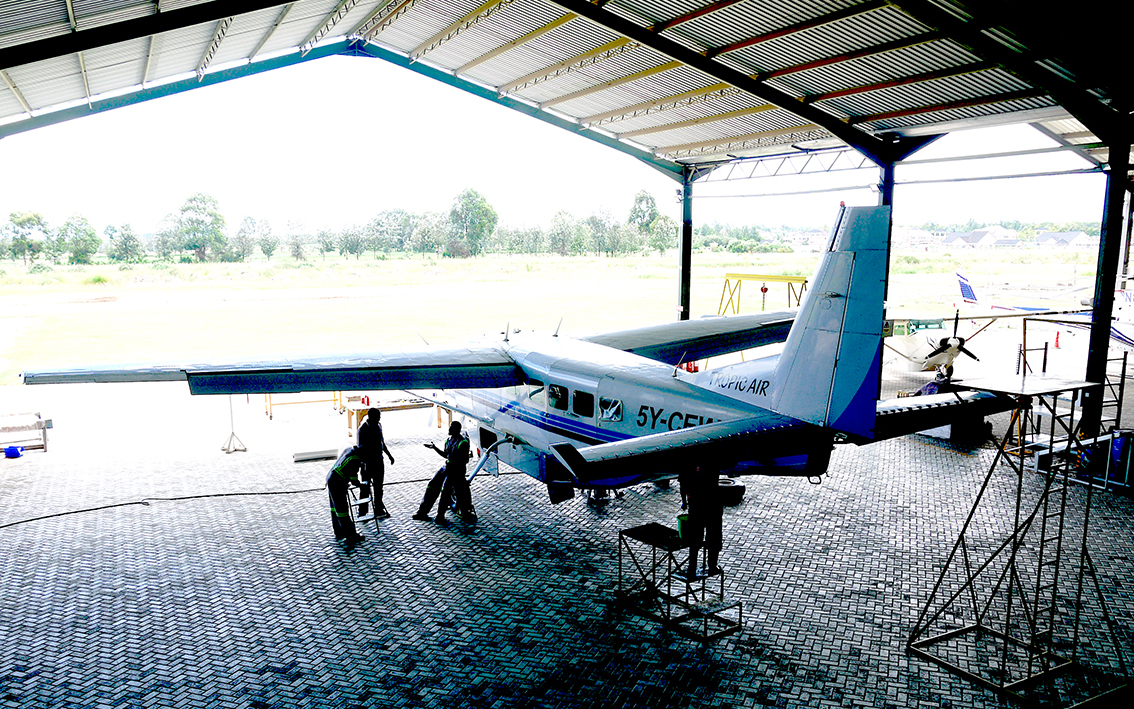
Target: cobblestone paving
{"type": "Point", "coordinates": [213, 580]}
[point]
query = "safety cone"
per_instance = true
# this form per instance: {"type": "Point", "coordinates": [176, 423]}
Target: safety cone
{"type": "Point", "coordinates": [1057, 339]}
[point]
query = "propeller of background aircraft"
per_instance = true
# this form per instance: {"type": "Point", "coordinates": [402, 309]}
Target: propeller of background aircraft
{"type": "Point", "coordinates": [953, 342]}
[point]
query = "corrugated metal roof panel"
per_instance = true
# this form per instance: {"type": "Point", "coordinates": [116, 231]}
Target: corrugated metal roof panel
{"type": "Point", "coordinates": [967, 112]}
{"type": "Point", "coordinates": [507, 24]}
{"type": "Point", "coordinates": [116, 66]}
{"type": "Point", "coordinates": [44, 84]}
{"type": "Point", "coordinates": [562, 43]}
{"type": "Point", "coordinates": [624, 63]}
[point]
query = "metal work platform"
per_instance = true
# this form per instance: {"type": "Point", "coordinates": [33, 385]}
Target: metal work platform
{"type": "Point", "coordinates": [226, 588]}
{"type": "Point", "coordinates": [733, 282]}
{"type": "Point", "coordinates": [653, 582]}
{"type": "Point", "coordinates": [1011, 605]}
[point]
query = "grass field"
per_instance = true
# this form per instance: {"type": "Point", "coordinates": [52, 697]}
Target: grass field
{"type": "Point", "coordinates": [104, 313]}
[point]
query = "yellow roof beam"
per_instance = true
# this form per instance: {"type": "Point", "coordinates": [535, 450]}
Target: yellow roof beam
{"type": "Point", "coordinates": [599, 53]}
{"type": "Point", "coordinates": [725, 142]}
{"type": "Point", "coordinates": [698, 121]}
{"type": "Point", "coordinates": [481, 13]}
{"type": "Point", "coordinates": [518, 42]}
{"type": "Point", "coordinates": [611, 84]}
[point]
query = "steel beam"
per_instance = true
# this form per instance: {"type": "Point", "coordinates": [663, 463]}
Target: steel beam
{"type": "Point", "coordinates": [698, 121]}
{"type": "Point", "coordinates": [798, 27]}
{"type": "Point", "coordinates": [904, 81]}
{"type": "Point", "coordinates": [15, 92]}
{"type": "Point", "coordinates": [126, 30]}
{"type": "Point", "coordinates": [518, 42]}
{"type": "Point", "coordinates": [382, 18]}
{"type": "Point", "coordinates": [610, 84]}
{"type": "Point", "coordinates": [333, 18]}
{"type": "Point", "coordinates": [213, 46]}
{"type": "Point", "coordinates": [481, 13]}
{"type": "Point", "coordinates": [1106, 275]}
{"type": "Point", "coordinates": [588, 58]}
{"type": "Point", "coordinates": [950, 105]}
{"type": "Point", "coordinates": [176, 87]}
{"type": "Point", "coordinates": [685, 248]}
{"type": "Point", "coordinates": [1100, 119]}
{"type": "Point", "coordinates": [271, 30]}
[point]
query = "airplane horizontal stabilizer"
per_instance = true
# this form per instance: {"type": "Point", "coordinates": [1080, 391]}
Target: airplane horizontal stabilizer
{"type": "Point", "coordinates": [899, 417]}
{"type": "Point", "coordinates": [483, 367]}
{"type": "Point", "coordinates": [721, 446]}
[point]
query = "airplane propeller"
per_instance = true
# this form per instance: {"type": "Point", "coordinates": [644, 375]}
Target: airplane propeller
{"type": "Point", "coordinates": [947, 343]}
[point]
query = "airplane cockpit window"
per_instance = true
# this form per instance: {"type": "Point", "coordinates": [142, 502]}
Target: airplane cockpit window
{"type": "Point", "coordinates": [583, 404]}
{"type": "Point", "coordinates": [557, 397]}
{"type": "Point", "coordinates": [536, 392]}
{"type": "Point", "coordinates": [610, 410]}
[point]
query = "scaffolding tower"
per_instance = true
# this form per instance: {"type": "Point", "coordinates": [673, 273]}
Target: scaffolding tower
{"type": "Point", "coordinates": [1012, 608]}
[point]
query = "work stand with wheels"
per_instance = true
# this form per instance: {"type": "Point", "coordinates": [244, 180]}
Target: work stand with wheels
{"type": "Point", "coordinates": [1018, 605]}
{"type": "Point", "coordinates": [653, 563]}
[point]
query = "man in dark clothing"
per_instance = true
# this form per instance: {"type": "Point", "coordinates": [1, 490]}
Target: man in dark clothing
{"type": "Point", "coordinates": [372, 444]}
{"type": "Point", "coordinates": [706, 518]}
{"type": "Point", "coordinates": [343, 474]}
{"type": "Point", "coordinates": [449, 479]}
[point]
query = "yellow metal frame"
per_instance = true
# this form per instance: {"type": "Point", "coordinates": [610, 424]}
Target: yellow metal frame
{"type": "Point", "coordinates": [733, 282]}
{"type": "Point", "coordinates": [269, 405]}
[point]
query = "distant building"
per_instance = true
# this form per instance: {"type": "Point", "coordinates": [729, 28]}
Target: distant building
{"type": "Point", "coordinates": [906, 237]}
{"type": "Point", "coordinates": [989, 237]}
{"type": "Point", "coordinates": [1066, 239]}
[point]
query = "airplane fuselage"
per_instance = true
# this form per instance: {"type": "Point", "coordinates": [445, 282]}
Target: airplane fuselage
{"type": "Point", "coordinates": [588, 394]}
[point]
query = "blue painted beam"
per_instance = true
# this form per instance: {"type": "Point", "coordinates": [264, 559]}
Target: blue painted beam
{"type": "Point", "coordinates": [175, 87]}
{"type": "Point", "coordinates": [669, 168]}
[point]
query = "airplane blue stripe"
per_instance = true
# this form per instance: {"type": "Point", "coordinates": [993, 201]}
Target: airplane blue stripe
{"type": "Point", "coordinates": [569, 428]}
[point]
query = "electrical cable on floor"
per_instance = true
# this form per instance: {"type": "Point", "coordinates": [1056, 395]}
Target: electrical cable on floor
{"type": "Point", "coordinates": [145, 501]}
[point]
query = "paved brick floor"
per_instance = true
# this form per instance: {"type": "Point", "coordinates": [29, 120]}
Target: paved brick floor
{"type": "Point", "coordinates": [213, 580]}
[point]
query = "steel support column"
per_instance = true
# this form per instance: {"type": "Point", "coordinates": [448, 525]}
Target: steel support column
{"type": "Point", "coordinates": [886, 185]}
{"type": "Point", "coordinates": [685, 248]}
{"type": "Point", "coordinates": [1106, 274]}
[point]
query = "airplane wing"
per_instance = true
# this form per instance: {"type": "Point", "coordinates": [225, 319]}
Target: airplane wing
{"type": "Point", "coordinates": [466, 367]}
{"type": "Point", "coordinates": [689, 340]}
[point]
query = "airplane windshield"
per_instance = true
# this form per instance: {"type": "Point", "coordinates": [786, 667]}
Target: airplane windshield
{"type": "Point", "coordinates": [536, 393]}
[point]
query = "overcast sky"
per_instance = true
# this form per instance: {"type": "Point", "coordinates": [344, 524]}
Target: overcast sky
{"type": "Point", "coordinates": [334, 141]}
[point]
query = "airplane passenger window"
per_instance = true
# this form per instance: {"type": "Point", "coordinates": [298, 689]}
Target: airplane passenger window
{"type": "Point", "coordinates": [536, 392]}
{"type": "Point", "coordinates": [557, 397]}
{"type": "Point", "coordinates": [583, 404]}
{"type": "Point", "coordinates": [609, 409]}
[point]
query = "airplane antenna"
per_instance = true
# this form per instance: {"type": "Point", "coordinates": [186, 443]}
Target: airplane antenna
{"type": "Point", "coordinates": [507, 328]}
{"type": "Point", "coordinates": [423, 338]}
{"type": "Point", "coordinates": [679, 363]}
{"type": "Point", "coordinates": [557, 327]}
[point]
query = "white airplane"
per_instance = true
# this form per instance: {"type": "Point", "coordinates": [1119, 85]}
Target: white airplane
{"type": "Point", "coordinates": [1121, 326]}
{"type": "Point", "coordinates": [617, 409]}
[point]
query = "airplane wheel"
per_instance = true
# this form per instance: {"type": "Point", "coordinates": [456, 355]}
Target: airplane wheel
{"type": "Point", "coordinates": [731, 492]}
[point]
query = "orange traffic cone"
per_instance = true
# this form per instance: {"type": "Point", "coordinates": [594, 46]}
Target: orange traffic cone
{"type": "Point", "coordinates": [1057, 339]}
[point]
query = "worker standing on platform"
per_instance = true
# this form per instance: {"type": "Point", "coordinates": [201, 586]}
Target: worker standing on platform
{"type": "Point", "coordinates": [372, 444]}
{"type": "Point", "coordinates": [706, 519]}
{"type": "Point", "coordinates": [450, 479]}
{"type": "Point", "coordinates": [342, 475]}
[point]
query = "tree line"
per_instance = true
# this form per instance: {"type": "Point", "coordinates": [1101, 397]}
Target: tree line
{"type": "Point", "coordinates": [198, 232]}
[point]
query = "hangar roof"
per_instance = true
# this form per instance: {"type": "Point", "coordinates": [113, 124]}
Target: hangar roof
{"type": "Point", "coordinates": [673, 82]}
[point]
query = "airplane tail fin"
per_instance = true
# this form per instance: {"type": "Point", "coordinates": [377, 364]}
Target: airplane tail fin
{"type": "Point", "coordinates": [829, 371]}
{"type": "Point", "coordinates": [968, 293]}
